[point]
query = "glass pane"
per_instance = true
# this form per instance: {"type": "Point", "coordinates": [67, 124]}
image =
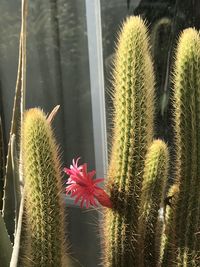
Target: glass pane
{"type": "Point", "coordinates": [57, 74]}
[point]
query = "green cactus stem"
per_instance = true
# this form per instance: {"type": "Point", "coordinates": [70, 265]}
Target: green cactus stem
{"type": "Point", "coordinates": [43, 188]}
{"type": "Point", "coordinates": [132, 135]}
{"type": "Point", "coordinates": [151, 202]}
{"type": "Point", "coordinates": [185, 241]}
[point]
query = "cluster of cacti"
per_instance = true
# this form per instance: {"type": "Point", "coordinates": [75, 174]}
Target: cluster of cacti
{"type": "Point", "coordinates": [147, 222]}
{"type": "Point", "coordinates": [134, 183]}
{"type": "Point", "coordinates": [142, 229]}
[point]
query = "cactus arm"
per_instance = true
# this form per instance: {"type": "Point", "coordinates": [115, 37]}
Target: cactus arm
{"type": "Point", "coordinates": [153, 190]}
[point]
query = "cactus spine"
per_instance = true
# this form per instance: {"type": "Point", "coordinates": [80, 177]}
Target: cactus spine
{"type": "Point", "coordinates": [185, 219]}
{"type": "Point", "coordinates": [45, 212]}
{"type": "Point", "coordinates": [153, 190]}
{"type": "Point", "coordinates": [133, 133]}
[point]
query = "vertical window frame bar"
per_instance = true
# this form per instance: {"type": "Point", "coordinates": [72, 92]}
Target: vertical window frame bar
{"type": "Point", "coordinates": [95, 52]}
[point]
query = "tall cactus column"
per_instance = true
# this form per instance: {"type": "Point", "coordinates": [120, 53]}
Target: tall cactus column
{"type": "Point", "coordinates": [183, 249]}
{"type": "Point", "coordinates": [44, 207]}
{"type": "Point", "coordinates": [132, 134]}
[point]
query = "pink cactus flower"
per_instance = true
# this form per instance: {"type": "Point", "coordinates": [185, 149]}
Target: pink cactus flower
{"type": "Point", "coordinates": [74, 170]}
{"type": "Point", "coordinates": [83, 187]}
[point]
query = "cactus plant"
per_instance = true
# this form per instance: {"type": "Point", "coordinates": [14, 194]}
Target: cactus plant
{"type": "Point", "coordinates": [151, 201]}
{"type": "Point", "coordinates": [133, 133]}
{"type": "Point", "coordinates": [44, 207]}
{"type": "Point", "coordinates": [184, 245]}
{"type": "Point", "coordinates": [134, 235]}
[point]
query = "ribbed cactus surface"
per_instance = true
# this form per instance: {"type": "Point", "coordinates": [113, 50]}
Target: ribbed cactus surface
{"type": "Point", "coordinates": [183, 246]}
{"type": "Point", "coordinates": [151, 203]}
{"type": "Point", "coordinates": [43, 204]}
{"type": "Point", "coordinates": [132, 134]}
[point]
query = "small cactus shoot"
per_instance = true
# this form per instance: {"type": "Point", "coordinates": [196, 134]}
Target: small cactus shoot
{"type": "Point", "coordinates": [151, 202]}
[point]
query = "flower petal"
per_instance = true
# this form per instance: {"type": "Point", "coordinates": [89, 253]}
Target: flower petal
{"type": "Point", "coordinates": [83, 187]}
